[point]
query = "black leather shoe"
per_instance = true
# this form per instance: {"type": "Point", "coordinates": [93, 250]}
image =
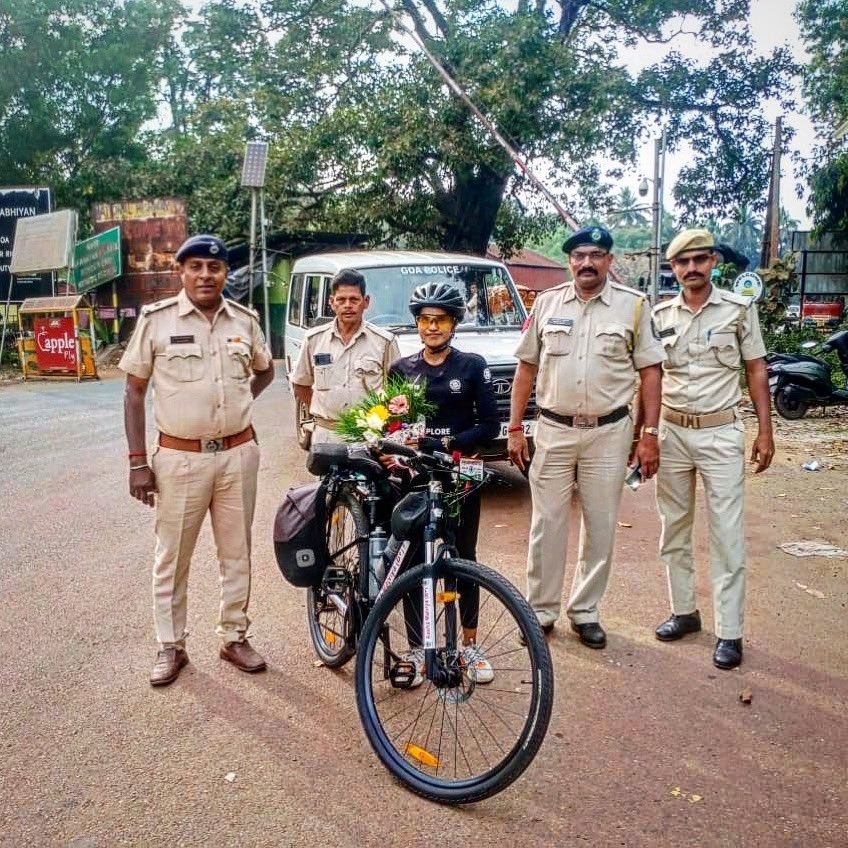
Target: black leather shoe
{"type": "Point", "coordinates": [728, 653]}
{"type": "Point", "coordinates": [678, 626]}
{"type": "Point", "coordinates": [591, 634]}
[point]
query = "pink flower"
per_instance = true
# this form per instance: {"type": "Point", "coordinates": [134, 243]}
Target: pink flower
{"type": "Point", "coordinates": [399, 405]}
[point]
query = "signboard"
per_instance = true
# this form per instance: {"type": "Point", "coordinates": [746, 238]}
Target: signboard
{"type": "Point", "coordinates": [749, 284]}
{"type": "Point", "coordinates": [97, 260]}
{"type": "Point", "coordinates": [55, 344]}
{"type": "Point", "coordinates": [44, 242]}
{"type": "Point", "coordinates": [17, 203]}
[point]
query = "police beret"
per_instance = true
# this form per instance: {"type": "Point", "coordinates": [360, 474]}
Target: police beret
{"type": "Point", "coordinates": [594, 235]}
{"type": "Point", "coordinates": [689, 240]}
{"type": "Point", "coordinates": [208, 247]}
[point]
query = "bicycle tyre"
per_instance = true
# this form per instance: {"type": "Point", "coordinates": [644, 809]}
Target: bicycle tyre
{"type": "Point", "coordinates": [520, 694]}
{"type": "Point", "coordinates": [331, 632]}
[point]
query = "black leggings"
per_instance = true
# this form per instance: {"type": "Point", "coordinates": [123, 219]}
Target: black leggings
{"type": "Point", "coordinates": [469, 590]}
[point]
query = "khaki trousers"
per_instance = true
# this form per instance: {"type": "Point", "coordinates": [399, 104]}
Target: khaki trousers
{"type": "Point", "coordinates": [190, 485]}
{"type": "Point", "coordinates": [718, 455]}
{"type": "Point", "coordinates": [596, 459]}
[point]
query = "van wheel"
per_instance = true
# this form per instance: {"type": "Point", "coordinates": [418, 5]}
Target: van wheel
{"type": "Point", "coordinates": [303, 423]}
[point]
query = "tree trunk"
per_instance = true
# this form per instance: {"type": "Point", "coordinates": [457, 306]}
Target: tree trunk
{"type": "Point", "coordinates": [469, 211]}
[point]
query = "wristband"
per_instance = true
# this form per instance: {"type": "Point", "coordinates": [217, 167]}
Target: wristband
{"type": "Point", "coordinates": [519, 428]}
{"type": "Point", "coordinates": [138, 467]}
{"type": "Point", "coordinates": [651, 431]}
{"type": "Point", "coordinates": [131, 454]}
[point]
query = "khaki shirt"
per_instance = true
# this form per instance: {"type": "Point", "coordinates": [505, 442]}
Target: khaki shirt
{"type": "Point", "coordinates": [342, 374]}
{"type": "Point", "coordinates": [588, 352]}
{"type": "Point", "coordinates": [704, 350]}
{"type": "Point", "coordinates": [200, 370]}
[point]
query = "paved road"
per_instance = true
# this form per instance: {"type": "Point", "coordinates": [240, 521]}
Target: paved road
{"type": "Point", "coordinates": [649, 744]}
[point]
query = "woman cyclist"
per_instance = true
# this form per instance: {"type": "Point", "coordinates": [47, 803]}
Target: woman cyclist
{"type": "Point", "coordinates": [459, 385]}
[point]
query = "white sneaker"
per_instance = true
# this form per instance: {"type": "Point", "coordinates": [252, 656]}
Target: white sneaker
{"type": "Point", "coordinates": [479, 668]}
{"type": "Point", "coordinates": [416, 657]}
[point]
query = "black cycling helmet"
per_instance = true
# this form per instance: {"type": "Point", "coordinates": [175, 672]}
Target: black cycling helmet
{"type": "Point", "coordinates": [443, 295]}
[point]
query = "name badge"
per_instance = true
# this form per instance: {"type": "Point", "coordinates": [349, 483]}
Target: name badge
{"type": "Point", "coordinates": [182, 339]}
{"type": "Point", "coordinates": [668, 331]}
{"type": "Point", "coordinates": [561, 322]}
{"type": "Point", "coordinates": [322, 359]}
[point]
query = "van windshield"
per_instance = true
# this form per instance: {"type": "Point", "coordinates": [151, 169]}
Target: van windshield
{"type": "Point", "coordinates": [488, 291]}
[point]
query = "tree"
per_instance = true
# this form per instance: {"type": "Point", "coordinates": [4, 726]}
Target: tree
{"type": "Point", "coordinates": [366, 135]}
{"type": "Point", "coordinates": [629, 212]}
{"type": "Point", "coordinates": [744, 232]}
{"type": "Point", "coordinates": [79, 80]}
{"type": "Point", "coordinates": [823, 25]}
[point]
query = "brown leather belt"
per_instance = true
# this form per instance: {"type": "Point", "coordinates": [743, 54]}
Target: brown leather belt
{"type": "Point", "coordinates": [697, 422]}
{"type": "Point", "coordinates": [586, 421]}
{"type": "Point", "coordinates": [206, 445]}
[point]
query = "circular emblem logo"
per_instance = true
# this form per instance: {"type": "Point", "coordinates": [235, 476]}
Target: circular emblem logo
{"type": "Point", "coordinates": [213, 249]}
{"type": "Point", "coordinates": [455, 385]}
{"type": "Point", "coordinates": [596, 235]}
{"type": "Point", "coordinates": [487, 374]}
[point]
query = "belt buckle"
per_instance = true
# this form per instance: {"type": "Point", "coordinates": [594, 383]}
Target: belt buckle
{"type": "Point", "coordinates": [211, 445]}
{"type": "Point", "coordinates": [692, 421]}
{"type": "Point", "coordinates": [585, 422]}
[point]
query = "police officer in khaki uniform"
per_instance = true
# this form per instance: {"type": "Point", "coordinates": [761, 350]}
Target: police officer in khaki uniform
{"type": "Point", "coordinates": [585, 344]}
{"type": "Point", "coordinates": [707, 333]}
{"type": "Point", "coordinates": [342, 361]}
{"type": "Point", "coordinates": [207, 360]}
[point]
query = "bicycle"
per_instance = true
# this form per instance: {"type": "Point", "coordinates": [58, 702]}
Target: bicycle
{"type": "Point", "coordinates": [451, 739]}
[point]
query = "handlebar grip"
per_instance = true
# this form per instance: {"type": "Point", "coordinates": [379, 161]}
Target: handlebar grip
{"type": "Point", "coordinates": [395, 448]}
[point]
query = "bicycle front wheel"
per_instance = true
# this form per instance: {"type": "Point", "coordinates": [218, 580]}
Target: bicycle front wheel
{"type": "Point", "coordinates": [331, 607]}
{"type": "Point", "coordinates": [454, 738]}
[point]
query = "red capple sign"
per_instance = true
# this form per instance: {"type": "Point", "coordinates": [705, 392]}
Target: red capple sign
{"type": "Point", "coordinates": [55, 345]}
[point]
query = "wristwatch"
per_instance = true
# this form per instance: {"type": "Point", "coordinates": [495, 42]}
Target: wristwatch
{"type": "Point", "coordinates": [651, 431]}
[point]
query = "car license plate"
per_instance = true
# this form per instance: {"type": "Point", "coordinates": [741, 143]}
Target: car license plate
{"type": "Point", "coordinates": [529, 427]}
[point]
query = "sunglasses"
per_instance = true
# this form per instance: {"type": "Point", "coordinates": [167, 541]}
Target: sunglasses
{"type": "Point", "coordinates": [440, 322]}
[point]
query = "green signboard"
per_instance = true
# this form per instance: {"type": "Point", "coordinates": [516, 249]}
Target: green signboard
{"type": "Point", "coordinates": [97, 260]}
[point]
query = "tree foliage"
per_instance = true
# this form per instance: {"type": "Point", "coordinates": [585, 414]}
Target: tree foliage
{"type": "Point", "coordinates": [364, 135]}
{"type": "Point", "coordinates": [824, 24]}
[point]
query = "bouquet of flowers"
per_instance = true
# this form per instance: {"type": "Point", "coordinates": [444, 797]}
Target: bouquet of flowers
{"type": "Point", "coordinates": [393, 412]}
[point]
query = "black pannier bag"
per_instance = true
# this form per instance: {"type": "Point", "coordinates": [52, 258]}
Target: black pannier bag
{"type": "Point", "coordinates": [300, 544]}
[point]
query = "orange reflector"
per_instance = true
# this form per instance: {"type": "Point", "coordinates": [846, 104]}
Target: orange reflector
{"type": "Point", "coordinates": [445, 597]}
{"type": "Point", "coordinates": [421, 755]}
{"type": "Point", "coordinates": [329, 637]}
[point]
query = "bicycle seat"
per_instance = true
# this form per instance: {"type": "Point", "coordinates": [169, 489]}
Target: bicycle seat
{"type": "Point", "coordinates": [325, 456]}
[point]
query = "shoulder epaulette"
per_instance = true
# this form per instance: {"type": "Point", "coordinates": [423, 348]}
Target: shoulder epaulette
{"type": "Point", "coordinates": [628, 289]}
{"type": "Point", "coordinates": [738, 299]}
{"type": "Point", "coordinates": [382, 332]}
{"type": "Point", "coordinates": [320, 328]}
{"type": "Point", "coordinates": [249, 310]}
{"type": "Point", "coordinates": [159, 304]}
{"type": "Point", "coordinates": [663, 305]}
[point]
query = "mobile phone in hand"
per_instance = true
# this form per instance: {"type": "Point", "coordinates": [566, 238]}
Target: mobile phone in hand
{"type": "Point", "coordinates": [633, 477]}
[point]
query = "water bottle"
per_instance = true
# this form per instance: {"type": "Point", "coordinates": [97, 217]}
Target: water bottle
{"type": "Point", "coordinates": [376, 565]}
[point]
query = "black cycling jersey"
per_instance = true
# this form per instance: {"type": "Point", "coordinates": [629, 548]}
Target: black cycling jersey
{"type": "Point", "coordinates": [461, 390]}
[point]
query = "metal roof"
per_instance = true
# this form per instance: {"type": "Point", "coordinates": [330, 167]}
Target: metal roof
{"type": "Point", "coordinates": [63, 303]}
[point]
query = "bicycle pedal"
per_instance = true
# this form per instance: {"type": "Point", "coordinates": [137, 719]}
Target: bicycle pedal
{"type": "Point", "coordinates": [401, 674]}
{"type": "Point", "coordinates": [335, 580]}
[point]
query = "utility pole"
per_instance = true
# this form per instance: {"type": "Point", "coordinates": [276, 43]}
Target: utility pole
{"type": "Point", "coordinates": [657, 211]}
{"type": "Point", "coordinates": [771, 231]}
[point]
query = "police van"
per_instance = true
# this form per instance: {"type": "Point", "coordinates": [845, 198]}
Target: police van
{"type": "Point", "coordinates": [492, 324]}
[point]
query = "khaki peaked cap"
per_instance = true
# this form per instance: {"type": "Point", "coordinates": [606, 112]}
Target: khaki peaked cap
{"type": "Point", "coordinates": [694, 239]}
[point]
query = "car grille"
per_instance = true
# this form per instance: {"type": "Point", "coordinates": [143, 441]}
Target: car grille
{"type": "Point", "coordinates": [502, 377]}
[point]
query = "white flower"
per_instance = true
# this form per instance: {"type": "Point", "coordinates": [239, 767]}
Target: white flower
{"type": "Point", "coordinates": [374, 422]}
{"type": "Point", "coordinates": [371, 436]}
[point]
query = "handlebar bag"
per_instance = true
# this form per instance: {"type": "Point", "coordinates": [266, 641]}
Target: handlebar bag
{"type": "Point", "coordinates": [300, 544]}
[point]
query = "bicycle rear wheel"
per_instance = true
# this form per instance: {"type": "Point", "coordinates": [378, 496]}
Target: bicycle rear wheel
{"type": "Point", "coordinates": [331, 608]}
{"type": "Point", "coordinates": [454, 740]}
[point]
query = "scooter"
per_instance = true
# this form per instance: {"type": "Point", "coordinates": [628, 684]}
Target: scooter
{"type": "Point", "coordinates": [776, 359]}
{"type": "Point", "coordinates": [809, 381]}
